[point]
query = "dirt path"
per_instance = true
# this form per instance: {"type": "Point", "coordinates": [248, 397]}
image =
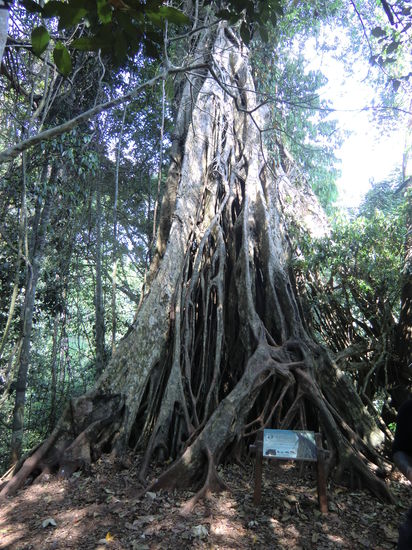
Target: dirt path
{"type": "Point", "coordinates": [103, 512]}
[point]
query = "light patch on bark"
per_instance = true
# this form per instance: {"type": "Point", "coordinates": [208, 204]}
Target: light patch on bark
{"type": "Point", "coordinates": [4, 27]}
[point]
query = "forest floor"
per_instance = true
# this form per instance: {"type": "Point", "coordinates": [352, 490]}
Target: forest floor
{"type": "Point", "coordinates": [102, 511]}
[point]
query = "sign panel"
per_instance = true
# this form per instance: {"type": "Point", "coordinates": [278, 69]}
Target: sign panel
{"type": "Point", "coordinates": [289, 444]}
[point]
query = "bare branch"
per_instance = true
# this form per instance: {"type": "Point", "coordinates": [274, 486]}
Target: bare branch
{"type": "Point", "coordinates": [12, 152]}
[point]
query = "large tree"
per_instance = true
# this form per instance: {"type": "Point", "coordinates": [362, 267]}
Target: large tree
{"type": "Point", "coordinates": [219, 347]}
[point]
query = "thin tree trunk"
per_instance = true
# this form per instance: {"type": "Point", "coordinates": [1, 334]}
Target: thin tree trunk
{"type": "Point", "coordinates": [20, 253]}
{"type": "Point", "coordinates": [116, 194]}
{"type": "Point", "coordinates": [38, 242]}
{"type": "Point", "coordinates": [53, 372]}
{"type": "Point", "coordinates": [99, 312]}
{"type": "Point", "coordinates": [4, 26]}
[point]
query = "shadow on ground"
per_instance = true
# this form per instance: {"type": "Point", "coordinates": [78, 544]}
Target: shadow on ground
{"type": "Point", "coordinates": [104, 511]}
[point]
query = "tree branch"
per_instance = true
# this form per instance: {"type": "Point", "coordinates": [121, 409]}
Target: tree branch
{"type": "Point", "coordinates": [12, 152]}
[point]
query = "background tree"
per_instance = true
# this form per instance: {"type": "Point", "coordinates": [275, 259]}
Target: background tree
{"type": "Point", "coordinates": [351, 281]}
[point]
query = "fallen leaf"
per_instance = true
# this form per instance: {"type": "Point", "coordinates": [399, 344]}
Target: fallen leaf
{"type": "Point", "coordinates": [253, 524]}
{"type": "Point", "coordinates": [47, 522]}
{"type": "Point", "coordinates": [199, 531]}
{"type": "Point", "coordinates": [132, 526]}
{"type": "Point", "coordinates": [391, 534]}
{"type": "Point", "coordinates": [315, 538]}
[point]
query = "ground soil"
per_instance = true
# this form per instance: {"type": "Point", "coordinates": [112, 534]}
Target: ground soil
{"type": "Point", "coordinates": [104, 511]}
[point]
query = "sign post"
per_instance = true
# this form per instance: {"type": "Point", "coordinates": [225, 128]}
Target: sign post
{"type": "Point", "coordinates": [321, 470]}
{"type": "Point", "coordinates": [257, 495]}
{"type": "Point", "coordinates": [291, 445]}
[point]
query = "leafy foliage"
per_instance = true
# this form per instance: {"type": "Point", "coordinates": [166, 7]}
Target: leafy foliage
{"type": "Point", "coordinates": [121, 28]}
{"type": "Point", "coordinates": [117, 28]}
{"type": "Point", "coordinates": [351, 284]}
{"type": "Point", "coordinates": [300, 129]}
{"type": "Point", "coordinates": [253, 14]}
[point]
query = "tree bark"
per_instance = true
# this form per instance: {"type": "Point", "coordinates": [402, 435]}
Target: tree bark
{"type": "Point", "coordinates": [38, 242]}
{"type": "Point", "coordinates": [219, 347]}
{"type": "Point", "coordinates": [114, 269]}
{"type": "Point", "coordinates": [99, 311]}
{"type": "Point", "coordinates": [53, 372]}
{"type": "Point", "coordinates": [4, 26]}
{"type": "Point", "coordinates": [20, 254]}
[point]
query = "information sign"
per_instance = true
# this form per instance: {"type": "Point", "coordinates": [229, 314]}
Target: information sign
{"type": "Point", "coordinates": [289, 444]}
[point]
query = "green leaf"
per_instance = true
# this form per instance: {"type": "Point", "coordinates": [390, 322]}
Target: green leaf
{"type": "Point", "coordinates": [396, 84]}
{"type": "Point", "coordinates": [69, 15]}
{"type": "Point", "coordinates": [53, 9]}
{"type": "Point", "coordinates": [154, 18]}
{"type": "Point", "coordinates": [132, 28]}
{"type": "Point", "coordinates": [152, 5]}
{"type": "Point", "coordinates": [40, 39]}
{"type": "Point", "coordinates": [224, 14]}
{"type": "Point", "coordinates": [152, 48]}
{"type": "Point", "coordinates": [104, 11]}
{"type": "Point", "coordinates": [62, 59]}
{"type": "Point", "coordinates": [393, 46]}
{"type": "Point", "coordinates": [173, 15]}
{"type": "Point", "coordinates": [88, 44]}
{"type": "Point", "coordinates": [245, 33]}
{"type": "Point", "coordinates": [240, 5]}
{"type": "Point", "coordinates": [120, 47]}
{"type": "Point", "coordinates": [132, 14]}
{"type": "Point", "coordinates": [273, 18]}
{"type": "Point", "coordinates": [377, 32]}
{"type": "Point", "coordinates": [105, 37]}
{"type": "Point", "coordinates": [30, 6]}
{"type": "Point", "coordinates": [263, 33]}
{"type": "Point", "coordinates": [277, 7]}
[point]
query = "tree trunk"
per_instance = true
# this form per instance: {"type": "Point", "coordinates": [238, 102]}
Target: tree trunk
{"type": "Point", "coordinates": [53, 372]}
{"type": "Point", "coordinates": [38, 241]}
{"type": "Point", "coordinates": [114, 270]}
{"type": "Point", "coordinates": [20, 253]}
{"type": "Point", "coordinates": [4, 26]}
{"type": "Point", "coordinates": [219, 347]}
{"type": "Point", "coordinates": [99, 311]}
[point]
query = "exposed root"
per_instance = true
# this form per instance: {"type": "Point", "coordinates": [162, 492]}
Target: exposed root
{"type": "Point", "coordinates": [79, 437]}
{"type": "Point", "coordinates": [212, 484]}
{"type": "Point", "coordinates": [180, 474]}
{"type": "Point", "coordinates": [349, 453]}
{"type": "Point", "coordinates": [29, 465]}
